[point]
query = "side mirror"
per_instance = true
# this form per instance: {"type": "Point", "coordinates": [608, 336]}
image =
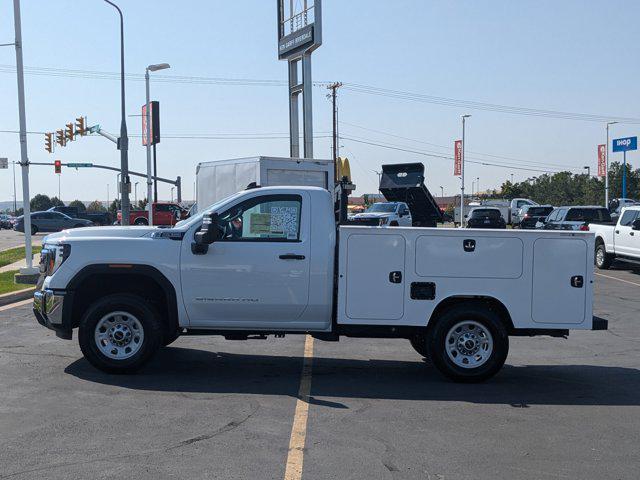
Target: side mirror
{"type": "Point", "coordinates": [209, 232]}
{"type": "Point", "coordinates": [636, 224]}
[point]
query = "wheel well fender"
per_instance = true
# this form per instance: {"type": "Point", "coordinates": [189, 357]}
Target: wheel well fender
{"type": "Point", "coordinates": [96, 281]}
{"type": "Point", "coordinates": [479, 301]}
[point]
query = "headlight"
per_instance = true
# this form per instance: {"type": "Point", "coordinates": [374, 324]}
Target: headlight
{"type": "Point", "coordinates": [52, 256]}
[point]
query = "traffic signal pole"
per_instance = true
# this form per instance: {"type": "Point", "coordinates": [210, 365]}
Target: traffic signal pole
{"type": "Point", "coordinates": [24, 159]}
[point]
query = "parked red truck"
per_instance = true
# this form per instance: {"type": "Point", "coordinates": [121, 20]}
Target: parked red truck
{"type": "Point", "coordinates": [164, 214]}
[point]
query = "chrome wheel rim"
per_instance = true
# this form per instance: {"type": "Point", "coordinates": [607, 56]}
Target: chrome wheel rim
{"type": "Point", "coordinates": [599, 256]}
{"type": "Point", "coordinates": [469, 344]}
{"type": "Point", "coordinates": [119, 335]}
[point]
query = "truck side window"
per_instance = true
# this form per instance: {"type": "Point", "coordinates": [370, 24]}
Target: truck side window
{"type": "Point", "coordinates": [270, 218]}
{"type": "Point", "coordinates": [627, 218]}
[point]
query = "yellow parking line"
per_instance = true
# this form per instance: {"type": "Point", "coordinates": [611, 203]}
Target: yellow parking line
{"type": "Point", "coordinates": [618, 279]}
{"type": "Point", "coordinates": [14, 305]}
{"type": "Point", "coordinates": [299, 429]}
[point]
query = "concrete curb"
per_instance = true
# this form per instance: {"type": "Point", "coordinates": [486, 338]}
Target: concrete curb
{"type": "Point", "coordinates": [12, 297]}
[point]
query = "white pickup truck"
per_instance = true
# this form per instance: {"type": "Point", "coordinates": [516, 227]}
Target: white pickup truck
{"type": "Point", "coordinates": [272, 261]}
{"type": "Point", "coordinates": [619, 241]}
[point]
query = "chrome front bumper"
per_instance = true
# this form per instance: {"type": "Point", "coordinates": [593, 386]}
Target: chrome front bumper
{"type": "Point", "coordinates": [48, 307]}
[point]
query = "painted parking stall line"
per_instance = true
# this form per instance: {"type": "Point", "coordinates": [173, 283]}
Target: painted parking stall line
{"type": "Point", "coordinates": [618, 279]}
{"type": "Point", "coordinates": [295, 457]}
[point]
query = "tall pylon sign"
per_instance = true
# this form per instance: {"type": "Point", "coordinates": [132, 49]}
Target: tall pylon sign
{"type": "Point", "coordinates": [299, 34]}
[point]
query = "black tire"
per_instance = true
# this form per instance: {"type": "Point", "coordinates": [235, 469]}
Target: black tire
{"type": "Point", "coordinates": [141, 221]}
{"type": "Point", "coordinates": [169, 338]}
{"type": "Point", "coordinates": [479, 314]}
{"type": "Point", "coordinates": [420, 345]}
{"type": "Point", "coordinates": [134, 305]}
{"type": "Point", "coordinates": [602, 259]}
{"type": "Point", "coordinates": [34, 229]}
{"type": "Point", "coordinates": [393, 224]}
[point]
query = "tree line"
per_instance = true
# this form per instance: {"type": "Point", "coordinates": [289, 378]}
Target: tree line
{"type": "Point", "coordinates": [41, 202]}
{"type": "Point", "coordinates": [565, 188]}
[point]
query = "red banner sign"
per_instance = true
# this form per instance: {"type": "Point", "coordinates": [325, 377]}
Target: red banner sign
{"type": "Point", "coordinates": [457, 163]}
{"type": "Point", "coordinates": [602, 160]}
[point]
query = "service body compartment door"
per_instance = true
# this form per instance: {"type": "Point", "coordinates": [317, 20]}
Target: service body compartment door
{"type": "Point", "coordinates": [559, 280]}
{"type": "Point", "coordinates": [375, 277]}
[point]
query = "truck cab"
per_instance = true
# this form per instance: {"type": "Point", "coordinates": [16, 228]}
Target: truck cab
{"type": "Point", "coordinates": [619, 241]}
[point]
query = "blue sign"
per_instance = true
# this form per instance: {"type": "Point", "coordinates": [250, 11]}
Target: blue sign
{"type": "Point", "coordinates": [625, 144]}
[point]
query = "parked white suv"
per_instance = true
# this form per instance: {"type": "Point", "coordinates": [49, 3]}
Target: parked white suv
{"type": "Point", "coordinates": [394, 214]}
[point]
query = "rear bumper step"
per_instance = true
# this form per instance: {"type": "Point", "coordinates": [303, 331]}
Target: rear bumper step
{"type": "Point", "coordinates": [599, 323]}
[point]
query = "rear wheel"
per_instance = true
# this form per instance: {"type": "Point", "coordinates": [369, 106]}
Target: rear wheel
{"type": "Point", "coordinates": [602, 258]}
{"type": "Point", "coordinates": [169, 338]}
{"type": "Point", "coordinates": [141, 221]}
{"type": "Point", "coordinates": [34, 229]}
{"type": "Point", "coordinates": [120, 333]}
{"type": "Point", "coordinates": [469, 343]}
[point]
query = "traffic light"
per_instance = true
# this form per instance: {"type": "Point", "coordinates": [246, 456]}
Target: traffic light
{"type": "Point", "coordinates": [80, 127]}
{"type": "Point", "coordinates": [57, 166]}
{"type": "Point", "coordinates": [48, 142]}
{"type": "Point", "coordinates": [60, 138]}
{"type": "Point", "coordinates": [69, 132]}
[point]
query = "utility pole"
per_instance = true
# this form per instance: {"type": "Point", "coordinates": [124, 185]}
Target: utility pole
{"type": "Point", "coordinates": [588, 169]}
{"type": "Point", "coordinates": [606, 170]}
{"type": "Point", "coordinates": [333, 95]}
{"type": "Point", "coordinates": [464, 117]}
{"type": "Point", "coordinates": [24, 158]}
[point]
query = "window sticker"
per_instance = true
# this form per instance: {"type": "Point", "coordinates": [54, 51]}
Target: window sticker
{"type": "Point", "coordinates": [284, 222]}
{"type": "Point", "coordinates": [260, 223]}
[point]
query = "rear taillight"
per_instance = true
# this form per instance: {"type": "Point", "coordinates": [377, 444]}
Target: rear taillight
{"type": "Point", "coordinates": [584, 228]}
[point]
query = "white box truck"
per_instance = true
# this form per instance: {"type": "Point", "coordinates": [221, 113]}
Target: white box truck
{"type": "Point", "coordinates": [218, 179]}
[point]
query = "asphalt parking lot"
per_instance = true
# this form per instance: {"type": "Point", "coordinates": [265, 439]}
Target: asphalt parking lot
{"type": "Point", "coordinates": [10, 239]}
{"type": "Point", "coordinates": [210, 408]}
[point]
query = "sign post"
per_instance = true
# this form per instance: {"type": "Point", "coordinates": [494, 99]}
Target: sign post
{"type": "Point", "coordinates": [623, 145]}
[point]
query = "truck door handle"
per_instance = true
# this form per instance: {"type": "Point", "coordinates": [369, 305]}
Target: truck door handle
{"type": "Point", "coordinates": [395, 277]}
{"type": "Point", "coordinates": [631, 233]}
{"type": "Point", "coordinates": [617, 231]}
{"type": "Point", "coordinates": [291, 256]}
{"type": "Point", "coordinates": [577, 281]}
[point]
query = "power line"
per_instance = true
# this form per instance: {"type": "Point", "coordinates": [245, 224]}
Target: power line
{"type": "Point", "coordinates": [467, 104]}
{"type": "Point", "coordinates": [436, 155]}
{"type": "Point", "coordinates": [206, 136]}
{"type": "Point", "coordinates": [469, 151]}
{"type": "Point", "coordinates": [354, 87]}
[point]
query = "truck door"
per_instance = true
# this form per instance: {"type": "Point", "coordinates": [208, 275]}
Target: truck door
{"type": "Point", "coordinates": [559, 280]}
{"type": "Point", "coordinates": [257, 276]}
{"type": "Point", "coordinates": [625, 238]}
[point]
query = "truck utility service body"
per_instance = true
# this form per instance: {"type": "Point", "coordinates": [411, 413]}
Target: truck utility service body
{"type": "Point", "coordinates": [271, 269]}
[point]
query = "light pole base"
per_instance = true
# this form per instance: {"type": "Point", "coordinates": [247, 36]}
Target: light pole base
{"type": "Point", "coordinates": [28, 276]}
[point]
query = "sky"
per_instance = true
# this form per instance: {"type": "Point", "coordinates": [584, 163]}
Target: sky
{"type": "Point", "coordinates": [569, 56]}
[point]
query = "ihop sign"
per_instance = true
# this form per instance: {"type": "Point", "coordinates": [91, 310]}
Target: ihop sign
{"type": "Point", "coordinates": [625, 144]}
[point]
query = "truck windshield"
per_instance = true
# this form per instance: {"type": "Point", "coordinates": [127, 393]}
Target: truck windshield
{"type": "Point", "coordinates": [382, 208]}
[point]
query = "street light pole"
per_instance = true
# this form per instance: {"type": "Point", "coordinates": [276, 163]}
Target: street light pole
{"type": "Point", "coordinates": [464, 117]}
{"type": "Point", "coordinates": [606, 168]}
{"type": "Point", "coordinates": [24, 158]}
{"type": "Point", "coordinates": [441, 191]}
{"type": "Point", "coordinates": [150, 198]}
{"type": "Point", "coordinates": [588, 169]}
{"type": "Point", "coordinates": [135, 188]}
{"type": "Point", "coordinates": [123, 141]}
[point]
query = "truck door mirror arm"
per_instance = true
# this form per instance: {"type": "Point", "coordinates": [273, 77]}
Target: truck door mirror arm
{"type": "Point", "coordinates": [636, 224]}
{"type": "Point", "coordinates": [209, 232]}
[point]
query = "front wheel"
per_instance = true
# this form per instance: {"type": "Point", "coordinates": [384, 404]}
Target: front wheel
{"type": "Point", "coordinates": [469, 343]}
{"type": "Point", "coordinates": [120, 333]}
{"type": "Point", "coordinates": [602, 258]}
{"type": "Point", "coordinates": [420, 345]}
{"type": "Point", "coordinates": [141, 221]}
